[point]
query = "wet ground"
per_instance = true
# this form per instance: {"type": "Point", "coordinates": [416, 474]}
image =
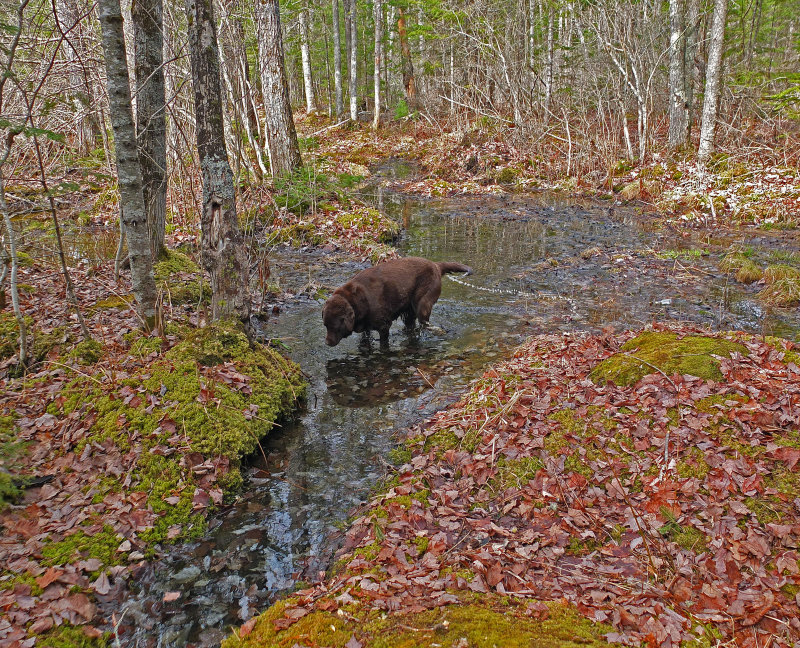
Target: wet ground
{"type": "Point", "coordinates": [541, 264]}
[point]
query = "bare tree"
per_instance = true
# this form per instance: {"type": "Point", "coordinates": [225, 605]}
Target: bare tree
{"type": "Point", "coordinates": [305, 54]}
{"type": "Point", "coordinates": [353, 58]}
{"type": "Point", "coordinates": [409, 83]}
{"type": "Point", "coordinates": [678, 107]}
{"type": "Point", "coordinates": [151, 128]}
{"type": "Point", "coordinates": [284, 150]}
{"type": "Point", "coordinates": [134, 215]}
{"type": "Point", "coordinates": [378, 7]}
{"type": "Point", "coordinates": [708, 124]}
{"type": "Point", "coordinates": [337, 59]}
{"type": "Point", "coordinates": [224, 253]}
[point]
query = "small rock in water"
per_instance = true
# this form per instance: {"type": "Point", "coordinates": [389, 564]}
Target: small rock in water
{"type": "Point", "coordinates": [187, 574]}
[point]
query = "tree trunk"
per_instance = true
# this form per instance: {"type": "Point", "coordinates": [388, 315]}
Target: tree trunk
{"type": "Point", "coordinates": [284, 150]}
{"type": "Point", "coordinates": [353, 59]}
{"type": "Point", "coordinates": [223, 250]}
{"type": "Point", "coordinates": [548, 79]}
{"type": "Point", "coordinates": [690, 65]}
{"type": "Point", "coordinates": [337, 59]}
{"type": "Point", "coordinates": [134, 215]}
{"type": "Point", "coordinates": [378, 6]}
{"type": "Point", "coordinates": [713, 79]}
{"type": "Point", "coordinates": [678, 117]}
{"type": "Point", "coordinates": [405, 60]}
{"type": "Point", "coordinates": [305, 54]}
{"type": "Point", "coordinates": [151, 128]}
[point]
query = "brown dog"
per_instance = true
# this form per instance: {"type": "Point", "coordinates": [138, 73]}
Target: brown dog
{"type": "Point", "coordinates": [377, 296]}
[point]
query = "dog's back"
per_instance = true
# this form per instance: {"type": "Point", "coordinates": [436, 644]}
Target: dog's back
{"type": "Point", "coordinates": [406, 287]}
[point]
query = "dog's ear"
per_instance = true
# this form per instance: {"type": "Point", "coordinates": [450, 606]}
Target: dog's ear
{"type": "Point", "coordinates": [358, 300]}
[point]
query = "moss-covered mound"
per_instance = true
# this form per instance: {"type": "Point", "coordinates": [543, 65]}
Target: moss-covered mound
{"type": "Point", "coordinates": [742, 265]}
{"type": "Point", "coordinates": [477, 622]}
{"type": "Point", "coordinates": [653, 351]}
{"type": "Point", "coordinates": [208, 400]}
{"type": "Point", "coordinates": [180, 279]}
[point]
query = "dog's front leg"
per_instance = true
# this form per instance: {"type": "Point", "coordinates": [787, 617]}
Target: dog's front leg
{"type": "Point", "coordinates": [384, 333]}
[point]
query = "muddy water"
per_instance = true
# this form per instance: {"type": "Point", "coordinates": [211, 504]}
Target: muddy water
{"type": "Point", "coordinates": [540, 265]}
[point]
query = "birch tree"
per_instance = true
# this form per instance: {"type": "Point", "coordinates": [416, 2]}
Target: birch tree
{"type": "Point", "coordinates": [305, 54]}
{"type": "Point", "coordinates": [223, 250]}
{"type": "Point", "coordinates": [708, 124]}
{"type": "Point", "coordinates": [353, 58]}
{"type": "Point", "coordinates": [284, 150]}
{"type": "Point", "coordinates": [129, 173]}
{"type": "Point", "coordinates": [378, 7]}
{"type": "Point", "coordinates": [151, 127]}
{"type": "Point", "coordinates": [337, 59]}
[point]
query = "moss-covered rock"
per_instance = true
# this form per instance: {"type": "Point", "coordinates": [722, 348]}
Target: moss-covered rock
{"type": "Point", "coordinates": [86, 352]}
{"type": "Point", "coordinates": [695, 355]}
{"type": "Point", "coordinates": [219, 392]}
{"type": "Point", "coordinates": [478, 622]}
{"type": "Point", "coordinates": [42, 342]}
{"type": "Point", "coordinates": [180, 278]}
{"type": "Point", "coordinates": [370, 221]}
{"type": "Point", "coordinates": [67, 636]}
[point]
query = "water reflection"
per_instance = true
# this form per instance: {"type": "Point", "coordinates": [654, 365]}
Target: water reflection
{"type": "Point", "coordinates": [540, 266]}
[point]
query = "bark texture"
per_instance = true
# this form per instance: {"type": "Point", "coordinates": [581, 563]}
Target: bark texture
{"type": "Point", "coordinates": [353, 59]}
{"type": "Point", "coordinates": [134, 216]}
{"type": "Point", "coordinates": [305, 55]}
{"type": "Point", "coordinates": [405, 59]}
{"type": "Point", "coordinates": [151, 128]}
{"type": "Point", "coordinates": [678, 107]}
{"type": "Point", "coordinates": [708, 125]}
{"type": "Point", "coordinates": [378, 6]}
{"type": "Point", "coordinates": [224, 254]}
{"type": "Point", "coordinates": [337, 60]}
{"type": "Point", "coordinates": [284, 150]}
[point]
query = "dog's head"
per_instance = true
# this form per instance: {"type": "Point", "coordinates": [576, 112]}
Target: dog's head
{"type": "Point", "coordinates": [339, 317]}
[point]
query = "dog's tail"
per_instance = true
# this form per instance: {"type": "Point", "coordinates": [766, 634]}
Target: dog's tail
{"type": "Point", "coordinates": [445, 267]}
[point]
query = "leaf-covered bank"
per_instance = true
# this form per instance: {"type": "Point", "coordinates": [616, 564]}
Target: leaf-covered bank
{"type": "Point", "coordinates": [656, 496]}
{"type": "Point", "coordinates": [118, 446]}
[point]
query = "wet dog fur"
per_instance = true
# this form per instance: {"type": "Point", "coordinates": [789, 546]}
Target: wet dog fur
{"type": "Point", "coordinates": [406, 288]}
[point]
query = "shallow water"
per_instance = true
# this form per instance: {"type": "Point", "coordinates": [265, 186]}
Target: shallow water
{"type": "Point", "coordinates": [533, 273]}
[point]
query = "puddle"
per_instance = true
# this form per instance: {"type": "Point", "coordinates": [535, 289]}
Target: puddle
{"type": "Point", "coordinates": [541, 265]}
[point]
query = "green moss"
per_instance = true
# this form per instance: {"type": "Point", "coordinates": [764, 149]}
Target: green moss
{"type": "Point", "coordinates": [86, 352]}
{"type": "Point", "coordinates": [67, 636]}
{"type": "Point", "coordinates": [694, 355]}
{"type": "Point", "coordinates": [8, 580]}
{"type": "Point", "coordinates": [399, 456]}
{"type": "Point", "coordinates": [8, 491]}
{"type": "Point", "coordinates": [686, 537]}
{"type": "Point", "coordinates": [581, 546]}
{"type": "Point", "coordinates": [485, 622]}
{"type": "Point", "coordinates": [370, 220]}
{"type": "Point", "coordinates": [10, 451]}
{"type": "Point", "coordinates": [421, 543]}
{"type": "Point", "coordinates": [102, 545]}
{"type": "Point", "coordinates": [115, 301]}
{"type": "Point", "coordinates": [717, 402]}
{"type": "Point", "coordinates": [693, 465]}
{"type": "Point", "coordinates": [24, 260]}
{"type": "Point", "coordinates": [515, 473]}
{"type": "Point", "coordinates": [766, 509]}
{"type": "Point", "coordinates": [180, 278]}
{"type": "Point", "coordinates": [297, 235]}
{"type": "Point", "coordinates": [222, 411]}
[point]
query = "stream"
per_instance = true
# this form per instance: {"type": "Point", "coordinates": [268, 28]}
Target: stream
{"type": "Point", "coordinates": [541, 264]}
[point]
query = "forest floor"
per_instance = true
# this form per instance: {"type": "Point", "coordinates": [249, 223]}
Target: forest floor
{"type": "Point", "coordinates": [659, 510]}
